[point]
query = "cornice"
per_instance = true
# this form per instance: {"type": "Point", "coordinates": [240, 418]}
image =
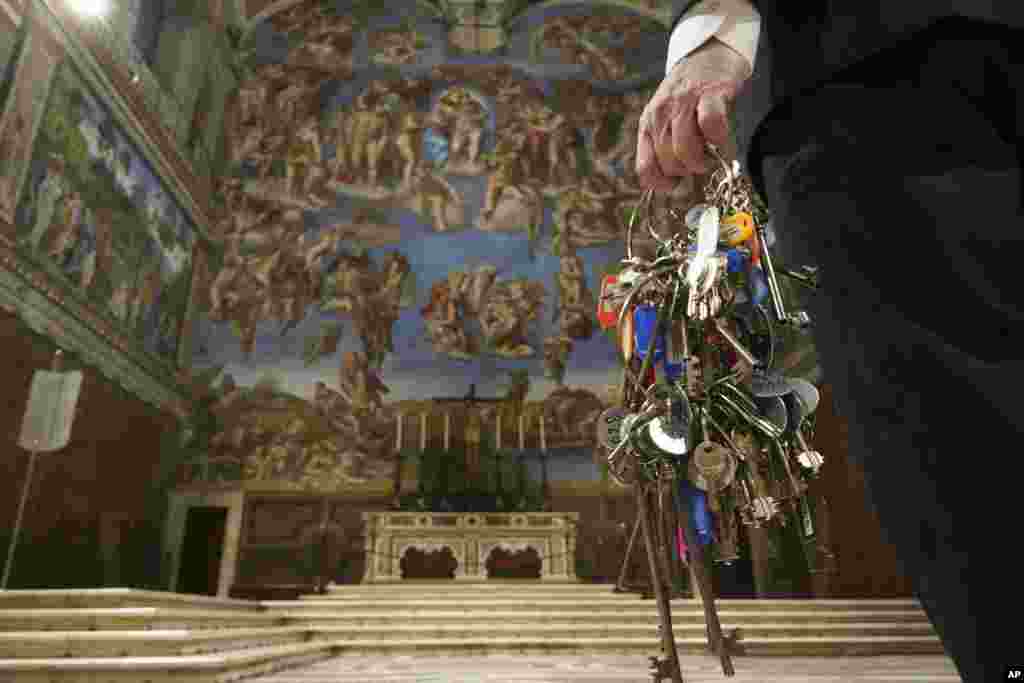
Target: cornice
{"type": "Point", "coordinates": [113, 81]}
{"type": "Point", "coordinates": [53, 309]}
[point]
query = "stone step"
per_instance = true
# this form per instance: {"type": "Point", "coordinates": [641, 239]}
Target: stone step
{"type": "Point", "coordinates": [117, 597]}
{"type": "Point", "coordinates": [471, 630]}
{"type": "Point", "coordinates": [607, 593]}
{"type": "Point", "coordinates": [499, 585]}
{"type": "Point", "coordinates": [488, 594]}
{"type": "Point", "coordinates": [650, 645]}
{"type": "Point", "coordinates": [644, 616]}
{"type": "Point", "coordinates": [579, 591]}
{"type": "Point", "coordinates": [222, 667]}
{"type": "Point", "coordinates": [591, 668]}
{"type": "Point", "coordinates": [213, 668]}
{"type": "Point", "coordinates": [145, 643]}
{"type": "Point", "coordinates": [614, 603]}
{"type": "Point", "coordinates": [154, 643]}
{"type": "Point", "coordinates": [132, 618]}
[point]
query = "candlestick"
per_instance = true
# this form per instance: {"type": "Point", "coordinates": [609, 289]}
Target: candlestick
{"type": "Point", "coordinates": [447, 429]}
{"type": "Point", "coordinates": [423, 431]}
{"type": "Point", "coordinates": [543, 442]}
{"type": "Point", "coordinates": [497, 434]}
{"type": "Point", "coordinates": [398, 432]}
{"type": "Point", "coordinates": [522, 432]}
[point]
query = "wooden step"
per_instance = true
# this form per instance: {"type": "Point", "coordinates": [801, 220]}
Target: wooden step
{"type": "Point", "coordinates": [117, 597]}
{"type": "Point", "coordinates": [648, 615]}
{"type": "Point", "coordinates": [132, 618]}
{"type": "Point", "coordinates": [214, 668]}
{"type": "Point", "coordinates": [146, 643]}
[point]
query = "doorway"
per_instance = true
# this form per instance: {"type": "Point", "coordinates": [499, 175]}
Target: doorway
{"type": "Point", "coordinates": [202, 550]}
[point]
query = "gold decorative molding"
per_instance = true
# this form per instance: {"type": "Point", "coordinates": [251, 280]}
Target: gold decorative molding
{"type": "Point", "coordinates": [49, 308]}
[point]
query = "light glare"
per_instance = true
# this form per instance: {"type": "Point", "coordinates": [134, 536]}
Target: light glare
{"type": "Point", "coordinates": [94, 9]}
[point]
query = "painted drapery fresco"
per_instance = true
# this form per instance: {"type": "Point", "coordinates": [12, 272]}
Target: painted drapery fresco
{"type": "Point", "coordinates": [421, 206]}
{"type": "Point", "coordinates": [94, 213]}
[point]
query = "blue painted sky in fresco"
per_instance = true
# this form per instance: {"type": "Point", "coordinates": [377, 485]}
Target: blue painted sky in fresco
{"type": "Point", "coordinates": [415, 363]}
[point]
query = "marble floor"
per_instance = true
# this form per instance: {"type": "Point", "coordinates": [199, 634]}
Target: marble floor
{"type": "Point", "coordinates": [617, 669]}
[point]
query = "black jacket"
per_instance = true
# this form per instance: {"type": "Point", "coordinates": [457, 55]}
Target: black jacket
{"type": "Point", "coordinates": [807, 42]}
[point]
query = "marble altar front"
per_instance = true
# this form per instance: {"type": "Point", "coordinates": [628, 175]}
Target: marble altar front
{"type": "Point", "coordinates": [471, 539]}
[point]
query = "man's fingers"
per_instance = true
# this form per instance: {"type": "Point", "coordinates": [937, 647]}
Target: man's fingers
{"type": "Point", "coordinates": [687, 142]}
{"type": "Point", "coordinates": [648, 170]}
{"type": "Point", "coordinates": [667, 116]}
{"type": "Point", "coordinates": [713, 119]}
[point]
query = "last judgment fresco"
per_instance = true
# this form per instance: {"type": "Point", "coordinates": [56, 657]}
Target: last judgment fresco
{"type": "Point", "coordinates": [422, 203]}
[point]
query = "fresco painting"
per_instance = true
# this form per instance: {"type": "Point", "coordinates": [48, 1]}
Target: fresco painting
{"type": "Point", "coordinates": [12, 8]}
{"type": "Point", "coordinates": [19, 120]}
{"type": "Point", "coordinates": [139, 20]}
{"type": "Point", "coordinates": [8, 42]}
{"type": "Point", "coordinates": [407, 225]}
{"type": "Point", "coordinates": [94, 213]}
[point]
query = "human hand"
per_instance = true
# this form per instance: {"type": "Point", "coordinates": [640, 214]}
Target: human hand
{"type": "Point", "coordinates": [688, 111]}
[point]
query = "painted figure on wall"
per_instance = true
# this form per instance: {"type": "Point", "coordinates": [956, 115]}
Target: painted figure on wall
{"type": "Point", "coordinates": [9, 35]}
{"type": "Point", "coordinates": [49, 197]}
{"type": "Point", "coordinates": [437, 198]}
{"type": "Point", "coordinates": [462, 118]}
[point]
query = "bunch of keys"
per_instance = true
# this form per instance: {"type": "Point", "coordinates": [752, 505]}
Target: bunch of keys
{"type": "Point", "coordinates": [757, 510]}
{"type": "Point", "coordinates": [728, 216]}
{"type": "Point", "coordinates": [705, 273]}
{"type": "Point", "coordinates": [808, 458]}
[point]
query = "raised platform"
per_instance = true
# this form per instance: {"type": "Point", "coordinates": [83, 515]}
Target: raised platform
{"type": "Point", "coordinates": [123, 635]}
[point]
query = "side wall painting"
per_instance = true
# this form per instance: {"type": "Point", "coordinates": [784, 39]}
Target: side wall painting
{"type": "Point", "coordinates": [94, 213]}
{"type": "Point", "coordinates": [8, 41]}
{"type": "Point", "coordinates": [20, 118]}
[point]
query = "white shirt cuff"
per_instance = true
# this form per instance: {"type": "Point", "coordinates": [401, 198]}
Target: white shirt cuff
{"type": "Point", "coordinates": [734, 22]}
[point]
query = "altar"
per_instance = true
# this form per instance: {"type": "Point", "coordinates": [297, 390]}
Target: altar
{"type": "Point", "coordinates": [471, 538]}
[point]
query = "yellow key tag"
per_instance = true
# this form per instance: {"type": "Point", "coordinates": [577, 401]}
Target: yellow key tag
{"type": "Point", "coordinates": [737, 228]}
